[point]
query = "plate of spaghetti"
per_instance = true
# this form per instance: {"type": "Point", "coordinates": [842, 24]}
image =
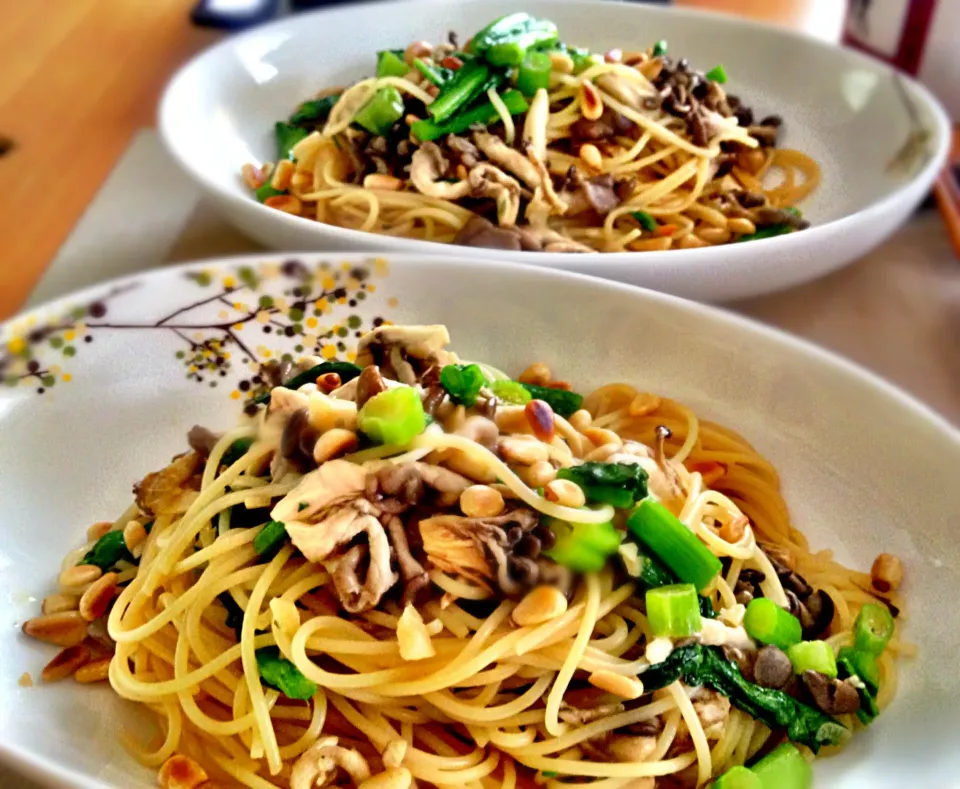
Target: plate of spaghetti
{"type": "Point", "coordinates": [638, 143]}
{"type": "Point", "coordinates": [378, 538]}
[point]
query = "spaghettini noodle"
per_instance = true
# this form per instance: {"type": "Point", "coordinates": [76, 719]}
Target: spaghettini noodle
{"type": "Point", "coordinates": [451, 686]}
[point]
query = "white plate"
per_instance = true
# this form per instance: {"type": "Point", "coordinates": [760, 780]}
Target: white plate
{"type": "Point", "coordinates": [865, 468]}
{"type": "Point", "coordinates": [839, 106]}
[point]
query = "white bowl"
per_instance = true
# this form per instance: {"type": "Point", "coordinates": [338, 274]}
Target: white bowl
{"type": "Point", "coordinates": [865, 468]}
{"type": "Point", "coordinates": [840, 107]}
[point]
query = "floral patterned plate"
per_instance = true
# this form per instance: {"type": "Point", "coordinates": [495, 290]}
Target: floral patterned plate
{"type": "Point", "coordinates": [99, 388]}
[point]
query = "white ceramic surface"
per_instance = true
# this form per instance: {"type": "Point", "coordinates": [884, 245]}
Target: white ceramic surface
{"type": "Point", "coordinates": [839, 106]}
{"type": "Point", "coordinates": [864, 467]}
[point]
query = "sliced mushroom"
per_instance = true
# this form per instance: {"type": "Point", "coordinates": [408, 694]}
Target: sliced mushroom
{"type": "Point", "coordinates": [428, 167]}
{"type": "Point", "coordinates": [334, 482]}
{"type": "Point", "coordinates": [167, 492]}
{"type": "Point", "coordinates": [413, 575]}
{"type": "Point", "coordinates": [535, 126]}
{"type": "Point", "coordinates": [480, 232]}
{"type": "Point", "coordinates": [832, 696]}
{"type": "Point", "coordinates": [497, 151]}
{"type": "Point", "coordinates": [625, 92]}
{"type": "Point", "coordinates": [202, 440]}
{"type": "Point", "coordinates": [772, 668]}
{"type": "Point", "coordinates": [487, 181]}
{"type": "Point", "coordinates": [405, 352]}
{"type": "Point", "coordinates": [317, 766]}
{"type": "Point", "coordinates": [369, 384]}
{"type": "Point", "coordinates": [576, 715]}
{"type": "Point", "coordinates": [466, 150]}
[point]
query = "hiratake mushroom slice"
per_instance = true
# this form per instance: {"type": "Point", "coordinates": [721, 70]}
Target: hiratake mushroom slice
{"type": "Point", "coordinates": [317, 765]}
{"type": "Point", "coordinates": [499, 152]}
{"type": "Point", "coordinates": [428, 167]}
{"type": "Point", "coordinates": [334, 482]}
{"type": "Point", "coordinates": [487, 181]}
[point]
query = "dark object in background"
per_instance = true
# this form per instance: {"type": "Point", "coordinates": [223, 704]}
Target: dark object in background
{"type": "Point", "coordinates": [6, 145]}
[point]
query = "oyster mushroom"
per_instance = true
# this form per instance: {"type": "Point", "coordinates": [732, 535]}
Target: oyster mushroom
{"type": "Point", "coordinates": [428, 167]}
{"type": "Point", "coordinates": [498, 152]}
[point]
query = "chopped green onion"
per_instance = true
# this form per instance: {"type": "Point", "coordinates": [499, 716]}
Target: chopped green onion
{"type": "Point", "coordinates": [534, 73]}
{"type": "Point", "coordinates": [673, 611]}
{"type": "Point", "coordinates": [582, 547]}
{"type": "Point", "coordinates": [459, 91]}
{"type": "Point", "coordinates": [107, 551]}
{"type": "Point", "coordinates": [673, 543]}
{"type": "Point", "coordinates": [873, 628]}
{"type": "Point", "coordinates": [717, 74]}
{"type": "Point", "coordinates": [392, 417]}
{"type": "Point", "coordinates": [278, 672]}
{"type": "Point", "coordinates": [314, 111]}
{"type": "Point", "coordinates": [436, 76]}
{"type": "Point", "coordinates": [390, 63]}
{"type": "Point", "coordinates": [620, 485]}
{"type": "Point", "coordinates": [561, 401]}
{"type": "Point", "coordinates": [270, 538]}
{"type": "Point", "coordinates": [287, 137]}
{"type": "Point", "coordinates": [855, 662]}
{"type": "Point", "coordinates": [379, 114]}
{"type": "Point", "coordinates": [266, 191]}
{"type": "Point", "coordinates": [813, 656]}
{"type": "Point", "coordinates": [660, 48]}
{"type": "Point", "coordinates": [768, 623]}
{"type": "Point", "coordinates": [511, 392]}
{"type": "Point", "coordinates": [506, 41]}
{"type": "Point", "coordinates": [738, 777]}
{"type": "Point", "coordinates": [646, 221]}
{"type": "Point", "coordinates": [583, 59]}
{"type": "Point", "coordinates": [346, 370]}
{"type": "Point", "coordinates": [463, 382]}
{"type": "Point", "coordinates": [482, 114]}
{"type": "Point", "coordinates": [784, 768]}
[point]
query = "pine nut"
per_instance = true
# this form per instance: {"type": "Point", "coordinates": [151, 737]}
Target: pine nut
{"type": "Point", "coordinates": [388, 183]}
{"type": "Point", "coordinates": [25, 680]}
{"type": "Point", "coordinates": [181, 772]}
{"type": "Point", "coordinates": [418, 49]}
{"type": "Point", "coordinates": [600, 436]}
{"type": "Point", "coordinates": [590, 156]}
{"type": "Point", "coordinates": [58, 603]}
{"type": "Point", "coordinates": [413, 76]}
{"type": "Point", "coordinates": [751, 160]}
{"type": "Point", "coordinates": [251, 176]}
{"type": "Point", "coordinates": [433, 91]}
{"type": "Point", "coordinates": [410, 119]}
{"type": "Point", "coordinates": [734, 529]}
{"type": "Point", "coordinates": [565, 493]}
{"type": "Point", "coordinates": [634, 58]}
{"type": "Point", "coordinates": [95, 671]}
{"type": "Point", "coordinates": [539, 474]}
{"type": "Point", "coordinates": [481, 501]}
{"type": "Point", "coordinates": [98, 597]}
{"type": "Point", "coordinates": [539, 415]}
{"type": "Point", "coordinates": [690, 241]}
{"type": "Point", "coordinates": [282, 175]}
{"type": "Point", "coordinates": [286, 203]}
{"type": "Point", "coordinates": [97, 530]}
{"type": "Point", "coordinates": [714, 235]}
{"type": "Point", "coordinates": [591, 106]}
{"type": "Point", "coordinates": [462, 172]}
{"type": "Point", "coordinates": [566, 386]}
{"type": "Point", "coordinates": [134, 535]}
{"type": "Point", "coordinates": [328, 382]}
{"type": "Point", "coordinates": [580, 420]}
{"type": "Point", "coordinates": [741, 226]}
{"type": "Point", "coordinates": [451, 62]}
{"type": "Point", "coordinates": [886, 573]}
{"type": "Point", "coordinates": [523, 451]}
{"type": "Point", "coordinates": [65, 629]}
{"type": "Point", "coordinates": [643, 404]}
{"type": "Point", "coordinates": [334, 443]}
{"type": "Point", "coordinates": [394, 754]}
{"type": "Point", "coordinates": [539, 605]}
{"type": "Point", "coordinates": [651, 68]}
{"type": "Point", "coordinates": [391, 778]}
{"type": "Point", "coordinates": [561, 62]}
{"type": "Point", "coordinates": [537, 374]}
{"type": "Point", "coordinates": [66, 662]}
{"type": "Point", "coordinates": [81, 575]}
{"type": "Point", "coordinates": [617, 684]}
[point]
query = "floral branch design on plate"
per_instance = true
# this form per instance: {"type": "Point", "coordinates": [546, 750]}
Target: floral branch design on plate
{"type": "Point", "coordinates": [251, 325]}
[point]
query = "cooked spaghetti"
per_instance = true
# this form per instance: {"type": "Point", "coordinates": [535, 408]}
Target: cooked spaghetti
{"type": "Point", "coordinates": [416, 571]}
{"type": "Point", "coordinates": [520, 142]}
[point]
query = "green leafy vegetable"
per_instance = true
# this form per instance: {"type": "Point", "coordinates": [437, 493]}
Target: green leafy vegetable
{"type": "Point", "coordinates": [392, 417]}
{"type": "Point", "coordinates": [873, 628]}
{"type": "Point", "coordinates": [482, 114]}
{"type": "Point", "coordinates": [699, 665]}
{"type": "Point", "coordinates": [717, 74]}
{"type": "Point", "coordinates": [864, 672]}
{"type": "Point", "coordinates": [646, 221]}
{"type": "Point", "coordinates": [505, 41]}
{"type": "Point", "coordinates": [383, 110]}
{"type": "Point", "coordinates": [673, 543]}
{"type": "Point", "coordinates": [460, 90]}
{"type": "Point", "coordinates": [813, 656]}
{"type": "Point", "coordinates": [278, 672]}
{"type": "Point", "coordinates": [346, 370]}
{"type": "Point", "coordinates": [583, 547]}
{"type": "Point", "coordinates": [236, 450]}
{"type": "Point", "coordinates": [463, 382]}
{"type": "Point", "coordinates": [437, 75]}
{"type": "Point", "coordinates": [107, 551]}
{"type": "Point", "coordinates": [706, 608]}
{"type": "Point", "coordinates": [390, 63]}
{"type": "Point", "coordinates": [768, 623]}
{"type": "Point", "coordinates": [511, 392]}
{"type": "Point", "coordinates": [266, 191]}
{"type": "Point", "coordinates": [270, 538]}
{"type": "Point", "coordinates": [660, 48]}
{"type": "Point", "coordinates": [534, 73]}
{"type": "Point", "coordinates": [560, 400]}
{"type": "Point", "coordinates": [767, 232]}
{"type": "Point", "coordinates": [673, 611]}
{"type": "Point", "coordinates": [313, 113]}
{"type": "Point", "coordinates": [618, 484]}
{"type": "Point", "coordinates": [287, 136]}
{"type": "Point", "coordinates": [583, 59]}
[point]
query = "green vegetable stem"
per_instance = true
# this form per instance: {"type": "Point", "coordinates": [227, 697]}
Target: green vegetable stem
{"type": "Point", "coordinates": [560, 400]}
{"type": "Point", "coordinates": [673, 611]}
{"type": "Point", "coordinates": [390, 63]}
{"type": "Point", "coordinates": [480, 114]}
{"type": "Point", "coordinates": [738, 777]}
{"type": "Point", "coordinates": [463, 382]}
{"type": "Point", "coordinates": [618, 484]}
{"type": "Point", "coordinates": [511, 392]}
{"type": "Point", "coordinates": [813, 656]}
{"type": "Point", "coordinates": [784, 768]}
{"type": "Point", "coordinates": [460, 90]}
{"type": "Point", "coordinates": [435, 74]}
{"type": "Point", "coordinates": [506, 41]}
{"type": "Point", "coordinates": [346, 370]}
{"type": "Point", "coordinates": [392, 417]}
{"type": "Point", "coordinates": [383, 110]}
{"type": "Point", "coordinates": [270, 538]}
{"type": "Point", "coordinates": [768, 623]}
{"type": "Point", "coordinates": [534, 73]}
{"type": "Point", "coordinates": [107, 551]}
{"type": "Point", "coordinates": [873, 628]}
{"type": "Point", "coordinates": [582, 547]}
